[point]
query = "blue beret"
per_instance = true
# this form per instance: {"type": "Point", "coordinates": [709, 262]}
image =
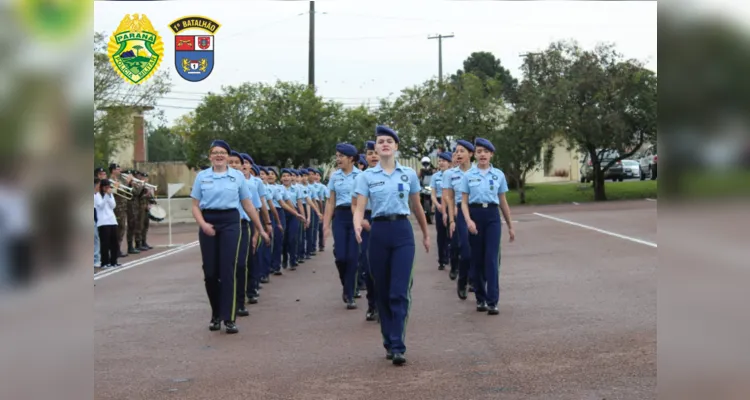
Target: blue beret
{"type": "Point", "coordinates": [256, 170]}
{"type": "Point", "coordinates": [286, 171]}
{"type": "Point", "coordinates": [272, 170]}
{"type": "Point", "coordinates": [382, 130]}
{"type": "Point", "coordinates": [293, 171]}
{"type": "Point", "coordinates": [362, 159]}
{"type": "Point", "coordinates": [247, 158]}
{"type": "Point", "coordinates": [446, 155]}
{"type": "Point", "coordinates": [263, 169]}
{"type": "Point", "coordinates": [220, 143]}
{"type": "Point", "coordinates": [346, 149]}
{"type": "Point", "coordinates": [304, 171]}
{"type": "Point", "coordinates": [480, 142]}
{"type": "Point", "coordinates": [465, 144]}
{"type": "Point", "coordinates": [233, 153]}
{"type": "Point", "coordinates": [370, 145]}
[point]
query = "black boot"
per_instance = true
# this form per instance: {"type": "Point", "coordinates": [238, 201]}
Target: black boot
{"type": "Point", "coordinates": [139, 246]}
{"type": "Point", "coordinates": [146, 245]}
{"type": "Point", "coordinates": [132, 249]}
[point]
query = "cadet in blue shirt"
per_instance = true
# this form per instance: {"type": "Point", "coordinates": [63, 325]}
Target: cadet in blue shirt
{"type": "Point", "coordinates": [323, 194]}
{"type": "Point", "coordinates": [345, 250]}
{"type": "Point", "coordinates": [247, 286]}
{"type": "Point", "coordinates": [266, 251]}
{"type": "Point", "coordinates": [483, 189]}
{"type": "Point", "coordinates": [318, 189]}
{"type": "Point", "coordinates": [390, 187]}
{"type": "Point", "coordinates": [310, 198]}
{"type": "Point", "coordinates": [436, 183]}
{"type": "Point", "coordinates": [454, 219]}
{"type": "Point", "coordinates": [216, 193]}
{"type": "Point", "coordinates": [280, 200]}
{"type": "Point", "coordinates": [289, 252]}
{"type": "Point", "coordinates": [259, 268]}
{"type": "Point", "coordinates": [364, 262]}
{"type": "Point", "coordinates": [235, 162]}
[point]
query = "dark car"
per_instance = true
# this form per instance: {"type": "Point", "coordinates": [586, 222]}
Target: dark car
{"type": "Point", "coordinates": [615, 172]}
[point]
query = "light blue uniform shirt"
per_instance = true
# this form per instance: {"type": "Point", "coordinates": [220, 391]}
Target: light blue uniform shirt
{"type": "Point", "coordinates": [452, 180]}
{"type": "Point", "coordinates": [322, 191]}
{"type": "Point", "coordinates": [343, 186]}
{"type": "Point", "coordinates": [388, 194]}
{"type": "Point", "coordinates": [301, 193]}
{"type": "Point", "coordinates": [436, 183]}
{"type": "Point", "coordinates": [281, 195]}
{"type": "Point", "coordinates": [261, 188]}
{"type": "Point", "coordinates": [219, 191]}
{"type": "Point", "coordinates": [483, 186]}
{"type": "Point", "coordinates": [291, 192]}
{"type": "Point", "coordinates": [253, 197]}
{"type": "Point", "coordinates": [311, 192]}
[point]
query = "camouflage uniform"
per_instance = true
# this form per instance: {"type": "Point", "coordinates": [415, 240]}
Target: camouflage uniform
{"type": "Point", "coordinates": [135, 220]}
{"type": "Point", "coordinates": [121, 214]}
{"type": "Point", "coordinates": [145, 201]}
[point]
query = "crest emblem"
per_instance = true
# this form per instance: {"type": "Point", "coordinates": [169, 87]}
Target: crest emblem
{"type": "Point", "coordinates": [135, 49]}
{"type": "Point", "coordinates": [404, 178]}
{"type": "Point", "coordinates": [194, 52]}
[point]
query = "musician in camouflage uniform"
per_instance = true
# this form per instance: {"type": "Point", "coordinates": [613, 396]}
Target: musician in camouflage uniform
{"type": "Point", "coordinates": [135, 217]}
{"type": "Point", "coordinates": [147, 199]}
{"type": "Point", "coordinates": [121, 208]}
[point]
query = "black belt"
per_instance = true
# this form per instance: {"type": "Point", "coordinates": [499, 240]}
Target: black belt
{"type": "Point", "coordinates": [390, 217]}
{"type": "Point", "coordinates": [214, 211]}
{"type": "Point", "coordinates": [349, 207]}
{"type": "Point", "coordinates": [368, 213]}
{"type": "Point", "coordinates": [482, 205]}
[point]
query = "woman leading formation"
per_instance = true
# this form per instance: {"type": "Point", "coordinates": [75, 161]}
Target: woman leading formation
{"type": "Point", "coordinates": [391, 188]}
{"type": "Point", "coordinates": [217, 194]}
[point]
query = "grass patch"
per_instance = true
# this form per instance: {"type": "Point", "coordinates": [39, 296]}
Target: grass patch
{"type": "Point", "coordinates": [565, 193]}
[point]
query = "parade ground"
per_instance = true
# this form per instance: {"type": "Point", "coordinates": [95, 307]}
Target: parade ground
{"type": "Point", "coordinates": [577, 321]}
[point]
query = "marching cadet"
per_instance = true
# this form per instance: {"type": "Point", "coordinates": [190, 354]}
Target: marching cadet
{"type": "Point", "coordinates": [217, 193]}
{"type": "Point", "coordinates": [364, 263]}
{"type": "Point", "coordinates": [444, 162]}
{"type": "Point", "coordinates": [346, 250]}
{"type": "Point", "coordinates": [325, 194]}
{"type": "Point", "coordinates": [454, 218]}
{"type": "Point", "coordinates": [135, 217]}
{"type": "Point", "coordinates": [256, 271]}
{"type": "Point", "coordinates": [482, 189]}
{"type": "Point", "coordinates": [315, 214]}
{"type": "Point", "coordinates": [304, 210]}
{"type": "Point", "coordinates": [147, 198]}
{"type": "Point", "coordinates": [390, 187]}
{"type": "Point", "coordinates": [362, 162]}
{"type": "Point", "coordinates": [243, 253]}
{"type": "Point", "coordinates": [267, 251]}
{"type": "Point", "coordinates": [280, 200]}
{"type": "Point", "coordinates": [289, 252]}
{"type": "Point", "coordinates": [318, 189]}
{"type": "Point", "coordinates": [121, 210]}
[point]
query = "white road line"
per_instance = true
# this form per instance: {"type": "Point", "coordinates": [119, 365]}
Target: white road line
{"type": "Point", "coordinates": [576, 203]}
{"type": "Point", "coordinates": [647, 199]}
{"type": "Point", "coordinates": [145, 260]}
{"type": "Point", "coordinates": [617, 235]}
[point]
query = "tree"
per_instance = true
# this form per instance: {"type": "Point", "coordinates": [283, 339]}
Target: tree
{"type": "Point", "coordinates": [598, 101]}
{"type": "Point", "coordinates": [114, 99]}
{"type": "Point", "coordinates": [485, 66]}
{"type": "Point", "coordinates": [165, 145]}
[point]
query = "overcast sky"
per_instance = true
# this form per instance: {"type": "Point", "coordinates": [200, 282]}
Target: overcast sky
{"type": "Point", "coordinates": [368, 50]}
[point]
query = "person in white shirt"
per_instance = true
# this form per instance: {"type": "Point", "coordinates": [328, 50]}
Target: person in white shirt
{"type": "Point", "coordinates": [104, 203]}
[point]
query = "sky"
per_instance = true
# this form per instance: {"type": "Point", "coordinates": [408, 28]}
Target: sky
{"type": "Point", "coordinates": [370, 50]}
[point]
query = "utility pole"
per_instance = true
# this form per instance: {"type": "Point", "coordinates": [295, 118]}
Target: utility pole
{"type": "Point", "coordinates": [440, 38]}
{"type": "Point", "coordinates": [311, 56]}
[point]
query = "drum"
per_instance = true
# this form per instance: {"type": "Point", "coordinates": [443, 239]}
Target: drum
{"type": "Point", "coordinates": [157, 213]}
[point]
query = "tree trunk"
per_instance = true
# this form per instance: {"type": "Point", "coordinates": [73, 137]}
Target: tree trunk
{"type": "Point", "coordinates": [522, 190]}
{"type": "Point", "coordinates": [599, 194]}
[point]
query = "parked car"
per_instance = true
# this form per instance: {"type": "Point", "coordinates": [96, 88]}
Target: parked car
{"type": "Point", "coordinates": [631, 169]}
{"type": "Point", "coordinates": [615, 172]}
{"type": "Point", "coordinates": [648, 162]}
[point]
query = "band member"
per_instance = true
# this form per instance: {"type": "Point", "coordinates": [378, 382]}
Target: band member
{"type": "Point", "coordinates": [121, 212]}
{"type": "Point", "coordinates": [217, 193]}
{"type": "Point", "coordinates": [364, 262]}
{"type": "Point", "coordinates": [482, 189]}
{"type": "Point", "coordinates": [390, 187]}
{"type": "Point", "coordinates": [444, 162]}
{"type": "Point", "coordinates": [346, 250]}
{"type": "Point", "coordinates": [135, 217]}
{"type": "Point", "coordinates": [454, 218]}
{"type": "Point", "coordinates": [105, 204]}
{"type": "Point", "coordinates": [147, 198]}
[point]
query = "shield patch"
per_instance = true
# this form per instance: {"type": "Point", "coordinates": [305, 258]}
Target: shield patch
{"type": "Point", "coordinates": [194, 51]}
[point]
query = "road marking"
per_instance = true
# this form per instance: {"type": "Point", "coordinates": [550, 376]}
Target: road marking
{"type": "Point", "coordinates": [144, 260]}
{"type": "Point", "coordinates": [617, 235]}
{"type": "Point", "coordinates": [576, 203]}
{"type": "Point", "coordinates": [647, 199]}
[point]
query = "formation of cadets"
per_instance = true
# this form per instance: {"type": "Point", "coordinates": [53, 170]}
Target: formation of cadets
{"type": "Point", "coordinates": [258, 221]}
{"type": "Point", "coordinates": [131, 213]}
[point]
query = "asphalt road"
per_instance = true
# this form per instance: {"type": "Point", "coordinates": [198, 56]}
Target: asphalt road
{"type": "Point", "coordinates": [577, 321]}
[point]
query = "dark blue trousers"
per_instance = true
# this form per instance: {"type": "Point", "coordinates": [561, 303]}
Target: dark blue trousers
{"type": "Point", "coordinates": [442, 238]}
{"type": "Point", "coordinates": [464, 249]}
{"type": "Point", "coordinates": [301, 237]}
{"type": "Point", "coordinates": [485, 250]}
{"type": "Point", "coordinates": [364, 264]}
{"type": "Point", "coordinates": [219, 254]}
{"type": "Point", "coordinates": [278, 241]}
{"type": "Point", "coordinates": [253, 281]}
{"type": "Point", "coordinates": [289, 251]}
{"type": "Point", "coordinates": [392, 263]}
{"type": "Point", "coordinates": [320, 231]}
{"type": "Point", "coordinates": [313, 235]}
{"type": "Point", "coordinates": [243, 263]}
{"type": "Point", "coordinates": [346, 251]}
{"type": "Point", "coordinates": [266, 251]}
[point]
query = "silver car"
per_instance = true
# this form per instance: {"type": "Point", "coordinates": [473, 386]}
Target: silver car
{"type": "Point", "coordinates": [631, 169]}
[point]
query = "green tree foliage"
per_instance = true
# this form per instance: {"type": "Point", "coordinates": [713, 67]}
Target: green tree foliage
{"type": "Point", "coordinates": [598, 101]}
{"type": "Point", "coordinates": [486, 66]}
{"type": "Point", "coordinates": [165, 145]}
{"type": "Point", "coordinates": [114, 99]}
